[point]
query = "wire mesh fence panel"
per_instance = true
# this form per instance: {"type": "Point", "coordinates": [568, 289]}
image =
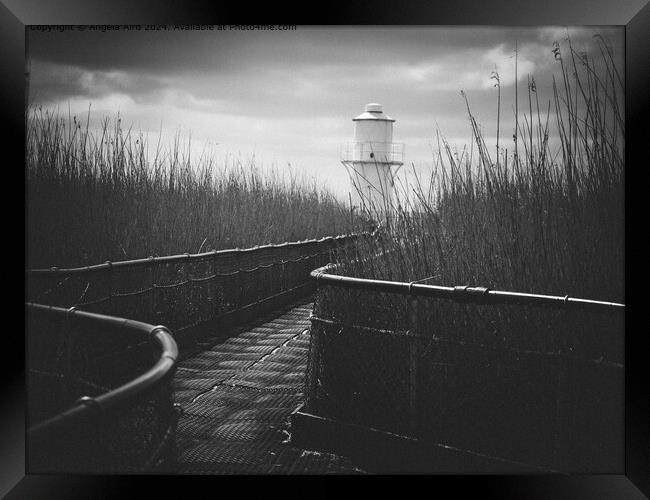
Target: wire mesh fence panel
{"type": "Point", "coordinates": [186, 290]}
{"type": "Point", "coordinates": [347, 387]}
{"type": "Point", "coordinates": [68, 361]}
{"type": "Point", "coordinates": [139, 439]}
{"type": "Point", "coordinates": [532, 384]}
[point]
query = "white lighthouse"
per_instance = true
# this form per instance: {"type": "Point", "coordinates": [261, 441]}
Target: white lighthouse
{"type": "Point", "coordinates": [369, 159]}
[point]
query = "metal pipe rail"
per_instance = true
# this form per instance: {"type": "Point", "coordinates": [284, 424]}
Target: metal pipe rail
{"type": "Point", "coordinates": [87, 408]}
{"type": "Point", "coordinates": [198, 256]}
{"type": "Point", "coordinates": [233, 281]}
{"type": "Point", "coordinates": [466, 294]}
{"type": "Point", "coordinates": [505, 383]}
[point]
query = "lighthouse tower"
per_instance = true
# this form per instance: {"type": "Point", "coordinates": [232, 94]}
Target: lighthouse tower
{"type": "Point", "coordinates": [369, 159]}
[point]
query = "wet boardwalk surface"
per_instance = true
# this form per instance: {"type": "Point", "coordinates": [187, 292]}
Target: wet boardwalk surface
{"type": "Point", "coordinates": [238, 395]}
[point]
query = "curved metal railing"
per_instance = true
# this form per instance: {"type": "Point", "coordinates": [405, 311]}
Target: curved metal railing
{"type": "Point", "coordinates": [78, 438]}
{"type": "Point", "coordinates": [187, 257]}
{"type": "Point", "coordinates": [185, 292]}
{"type": "Point", "coordinates": [465, 294]}
{"type": "Point", "coordinates": [528, 378]}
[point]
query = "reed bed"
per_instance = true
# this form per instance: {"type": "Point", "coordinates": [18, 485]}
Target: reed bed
{"type": "Point", "coordinates": [104, 195]}
{"type": "Point", "coordinates": [543, 386]}
{"type": "Point", "coordinates": [535, 217]}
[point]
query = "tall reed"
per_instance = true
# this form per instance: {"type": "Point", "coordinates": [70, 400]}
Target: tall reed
{"type": "Point", "coordinates": [538, 385]}
{"type": "Point", "coordinates": [110, 195]}
{"type": "Point", "coordinates": [548, 220]}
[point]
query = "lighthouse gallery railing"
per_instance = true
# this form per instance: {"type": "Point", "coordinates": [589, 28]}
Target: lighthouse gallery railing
{"type": "Point", "coordinates": [367, 151]}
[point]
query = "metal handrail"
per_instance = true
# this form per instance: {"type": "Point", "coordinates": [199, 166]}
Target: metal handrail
{"type": "Point", "coordinates": [87, 407]}
{"type": "Point", "coordinates": [89, 411]}
{"type": "Point", "coordinates": [188, 256]}
{"type": "Point", "coordinates": [477, 295]}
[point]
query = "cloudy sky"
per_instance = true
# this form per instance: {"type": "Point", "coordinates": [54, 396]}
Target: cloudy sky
{"type": "Point", "coordinates": [289, 96]}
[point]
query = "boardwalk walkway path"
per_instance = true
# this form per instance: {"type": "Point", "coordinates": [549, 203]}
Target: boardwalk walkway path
{"type": "Point", "coordinates": [237, 396]}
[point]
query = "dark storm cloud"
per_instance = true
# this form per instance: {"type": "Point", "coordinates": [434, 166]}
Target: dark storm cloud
{"type": "Point", "coordinates": [51, 82]}
{"type": "Point", "coordinates": [278, 64]}
{"type": "Point", "coordinates": [165, 51]}
{"type": "Point", "coordinates": [292, 94]}
{"type": "Point", "coordinates": [177, 51]}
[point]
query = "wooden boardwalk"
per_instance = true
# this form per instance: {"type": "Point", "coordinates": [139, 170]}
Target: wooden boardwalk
{"type": "Point", "coordinates": [237, 396]}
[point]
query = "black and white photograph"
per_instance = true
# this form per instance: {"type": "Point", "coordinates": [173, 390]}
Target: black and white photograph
{"type": "Point", "coordinates": [306, 250]}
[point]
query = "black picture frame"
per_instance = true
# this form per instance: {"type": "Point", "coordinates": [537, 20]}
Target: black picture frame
{"type": "Point", "coordinates": [634, 14]}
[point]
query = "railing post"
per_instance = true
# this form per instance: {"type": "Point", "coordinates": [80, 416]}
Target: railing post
{"type": "Point", "coordinates": [413, 368]}
{"type": "Point", "coordinates": [68, 346]}
{"type": "Point", "coordinates": [561, 445]}
{"type": "Point", "coordinates": [211, 288]}
{"type": "Point", "coordinates": [311, 396]}
{"type": "Point", "coordinates": [238, 285]}
{"type": "Point", "coordinates": [152, 270]}
{"type": "Point", "coordinates": [283, 277]}
{"type": "Point", "coordinates": [110, 286]}
{"type": "Point", "coordinates": [187, 297]}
